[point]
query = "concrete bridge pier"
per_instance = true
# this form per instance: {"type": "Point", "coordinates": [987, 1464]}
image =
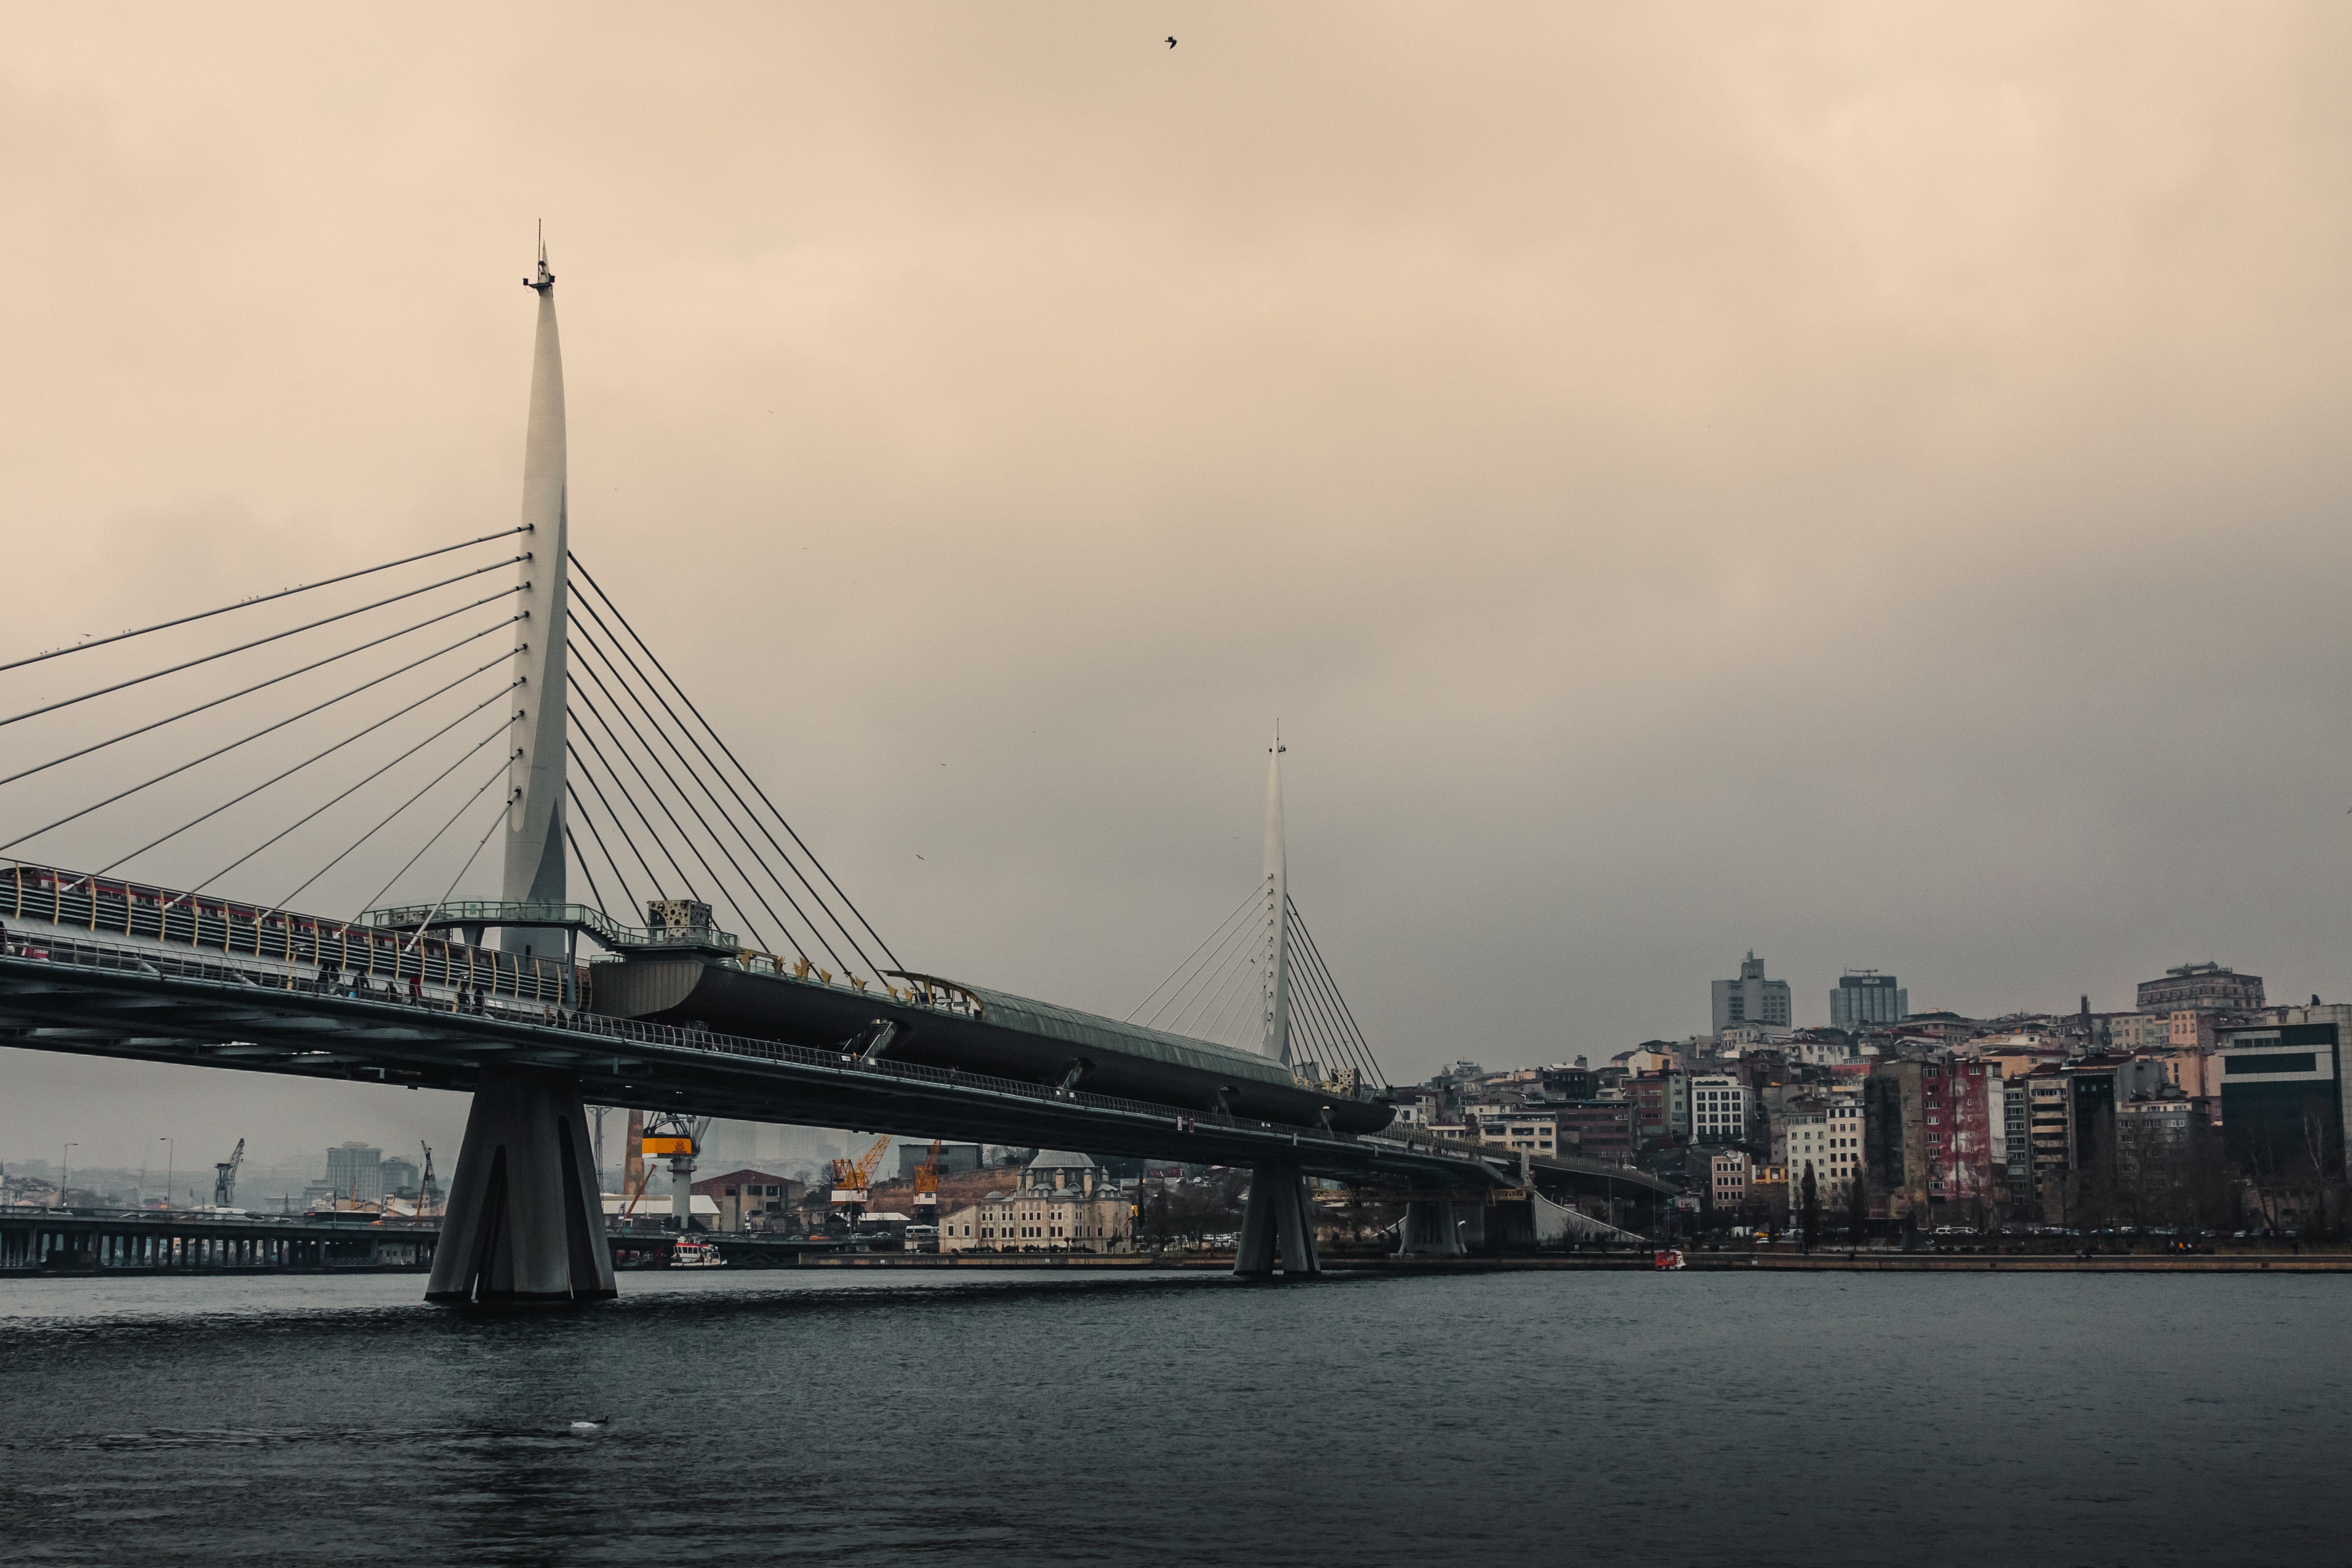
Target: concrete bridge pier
{"type": "Point", "coordinates": [525, 1225]}
{"type": "Point", "coordinates": [1430, 1229]}
{"type": "Point", "coordinates": [1277, 1223]}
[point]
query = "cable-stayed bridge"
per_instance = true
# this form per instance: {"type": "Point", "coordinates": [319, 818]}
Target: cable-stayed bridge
{"type": "Point", "coordinates": [439, 714]}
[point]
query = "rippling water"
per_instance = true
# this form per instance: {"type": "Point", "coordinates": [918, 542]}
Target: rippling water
{"type": "Point", "coordinates": [824, 1417]}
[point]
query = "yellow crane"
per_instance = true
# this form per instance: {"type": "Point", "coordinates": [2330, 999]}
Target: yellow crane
{"type": "Point", "coordinates": [926, 1187]}
{"type": "Point", "coordinates": [853, 1179]}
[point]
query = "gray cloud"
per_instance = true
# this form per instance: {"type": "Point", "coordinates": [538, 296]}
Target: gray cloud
{"type": "Point", "coordinates": [1858, 484]}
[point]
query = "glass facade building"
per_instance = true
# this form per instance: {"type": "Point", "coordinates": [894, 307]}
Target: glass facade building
{"type": "Point", "coordinates": [1865, 999]}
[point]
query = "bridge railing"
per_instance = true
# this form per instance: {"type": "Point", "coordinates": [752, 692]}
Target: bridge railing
{"type": "Point", "coordinates": [77, 954]}
{"type": "Point", "coordinates": [191, 920]}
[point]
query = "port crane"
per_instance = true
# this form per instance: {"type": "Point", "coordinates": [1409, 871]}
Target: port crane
{"type": "Point", "coordinates": [680, 1138]}
{"type": "Point", "coordinates": [926, 1187]}
{"type": "Point", "coordinates": [428, 1191]}
{"type": "Point", "coordinates": [225, 1177]}
{"type": "Point", "coordinates": [853, 1181]}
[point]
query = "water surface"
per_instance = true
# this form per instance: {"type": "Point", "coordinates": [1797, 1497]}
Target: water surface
{"type": "Point", "coordinates": [818, 1417]}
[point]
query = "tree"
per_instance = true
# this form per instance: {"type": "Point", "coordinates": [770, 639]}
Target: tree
{"type": "Point", "coordinates": [1810, 1205]}
{"type": "Point", "coordinates": [1857, 1207]}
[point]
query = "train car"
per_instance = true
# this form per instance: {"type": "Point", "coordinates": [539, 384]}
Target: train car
{"type": "Point", "coordinates": [941, 1023]}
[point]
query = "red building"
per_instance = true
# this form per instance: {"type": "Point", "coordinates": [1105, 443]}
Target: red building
{"type": "Point", "coordinates": [1960, 1108]}
{"type": "Point", "coordinates": [1603, 1129]}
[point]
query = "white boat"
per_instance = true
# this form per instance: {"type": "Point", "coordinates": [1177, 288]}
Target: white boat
{"type": "Point", "coordinates": [694, 1255]}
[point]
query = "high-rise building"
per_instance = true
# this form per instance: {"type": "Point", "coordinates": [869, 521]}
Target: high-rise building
{"type": "Point", "coordinates": [2201, 987]}
{"type": "Point", "coordinates": [1751, 1001]}
{"type": "Point", "coordinates": [398, 1176]}
{"type": "Point", "coordinates": [355, 1172]}
{"type": "Point", "coordinates": [1865, 999]}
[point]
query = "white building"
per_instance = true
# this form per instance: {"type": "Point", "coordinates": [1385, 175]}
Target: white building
{"type": "Point", "coordinates": [1720, 1107]}
{"type": "Point", "coordinates": [1533, 1133]}
{"type": "Point", "coordinates": [1830, 1140]}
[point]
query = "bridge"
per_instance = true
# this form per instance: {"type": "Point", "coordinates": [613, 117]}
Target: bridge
{"type": "Point", "coordinates": [604, 764]}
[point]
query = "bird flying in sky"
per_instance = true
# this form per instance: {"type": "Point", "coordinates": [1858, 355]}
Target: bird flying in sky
{"type": "Point", "coordinates": [1171, 42]}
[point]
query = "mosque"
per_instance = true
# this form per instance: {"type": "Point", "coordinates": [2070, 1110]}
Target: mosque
{"type": "Point", "coordinates": [1063, 1205]}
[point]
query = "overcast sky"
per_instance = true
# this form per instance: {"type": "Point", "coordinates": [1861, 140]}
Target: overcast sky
{"type": "Point", "coordinates": [1861, 483]}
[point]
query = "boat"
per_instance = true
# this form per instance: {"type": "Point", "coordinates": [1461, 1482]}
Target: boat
{"type": "Point", "coordinates": [694, 1255]}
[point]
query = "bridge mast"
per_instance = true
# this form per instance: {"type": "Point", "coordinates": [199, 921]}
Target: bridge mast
{"type": "Point", "coordinates": [534, 836]}
{"type": "Point", "coordinates": [524, 1223]}
{"type": "Point", "coordinates": [1273, 964]}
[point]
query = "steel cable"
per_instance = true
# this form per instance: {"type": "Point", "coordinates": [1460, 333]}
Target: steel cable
{"type": "Point", "coordinates": [443, 900]}
{"type": "Point", "coordinates": [653, 832]}
{"type": "Point", "coordinates": [1213, 1024]}
{"type": "Point", "coordinates": [1345, 1021]}
{"type": "Point", "coordinates": [1210, 971]}
{"type": "Point", "coordinates": [377, 902]}
{"type": "Point", "coordinates": [261, 599]}
{"type": "Point", "coordinates": [1195, 953]}
{"type": "Point", "coordinates": [590, 643]}
{"type": "Point", "coordinates": [814, 930]}
{"type": "Point", "coordinates": [1324, 1030]}
{"type": "Point", "coordinates": [379, 773]}
{"type": "Point", "coordinates": [199, 708]}
{"type": "Point", "coordinates": [582, 640]}
{"type": "Point", "coordinates": [611, 864]}
{"type": "Point", "coordinates": [618, 825]}
{"type": "Point", "coordinates": [404, 804]}
{"type": "Point", "coordinates": [687, 801]}
{"type": "Point", "coordinates": [1211, 1003]}
{"type": "Point", "coordinates": [1315, 953]}
{"type": "Point", "coordinates": [257, 642]}
{"type": "Point", "coordinates": [272, 729]}
{"type": "Point", "coordinates": [585, 869]}
{"type": "Point", "coordinates": [298, 767]}
{"type": "Point", "coordinates": [720, 741]}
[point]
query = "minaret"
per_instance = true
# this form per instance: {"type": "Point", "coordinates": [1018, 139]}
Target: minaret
{"type": "Point", "coordinates": [534, 839]}
{"type": "Point", "coordinates": [1273, 964]}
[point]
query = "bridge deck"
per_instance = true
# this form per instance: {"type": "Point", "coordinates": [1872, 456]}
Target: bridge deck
{"type": "Point", "coordinates": [93, 998]}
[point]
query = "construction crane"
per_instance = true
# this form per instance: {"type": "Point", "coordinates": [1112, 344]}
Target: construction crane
{"type": "Point", "coordinates": [225, 1177]}
{"type": "Point", "coordinates": [853, 1181]}
{"type": "Point", "coordinates": [926, 1187]}
{"type": "Point", "coordinates": [428, 1191]}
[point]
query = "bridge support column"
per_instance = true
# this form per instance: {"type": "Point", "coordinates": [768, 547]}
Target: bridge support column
{"type": "Point", "coordinates": [1277, 1223]}
{"type": "Point", "coordinates": [524, 1223]}
{"type": "Point", "coordinates": [1429, 1230]}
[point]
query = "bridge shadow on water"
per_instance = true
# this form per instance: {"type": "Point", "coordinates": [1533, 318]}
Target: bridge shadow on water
{"type": "Point", "coordinates": [1166, 1420]}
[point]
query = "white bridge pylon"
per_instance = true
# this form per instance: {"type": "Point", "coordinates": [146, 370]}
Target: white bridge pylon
{"type": "Point", "coordinates": [525, 1223]}
{"type": "Point", "coordinates": [1275, 902]}
{"type": "Point", "coordinates": [1278, 1223]}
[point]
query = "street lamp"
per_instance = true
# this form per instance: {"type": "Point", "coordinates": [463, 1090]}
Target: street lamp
{"type": "Point", "coordinates": [171, 1154]}
{"type": "Point", "coordinates": [67, 1174]}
